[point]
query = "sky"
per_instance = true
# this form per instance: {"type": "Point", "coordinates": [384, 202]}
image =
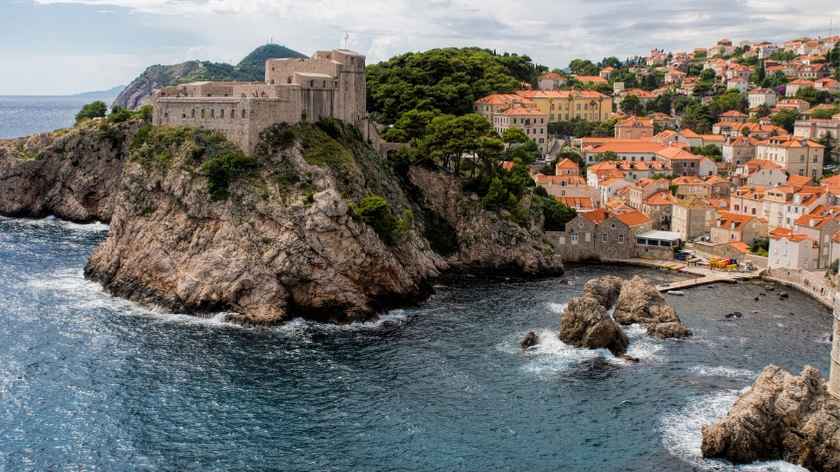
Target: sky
{"type": "Point", "coordinates": [71, 46]}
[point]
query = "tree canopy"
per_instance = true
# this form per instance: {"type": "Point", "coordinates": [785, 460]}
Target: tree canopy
{"type": "Point", "coordinates": [97, 109]}
{"type": "Point", "coordinates": [446, 81]}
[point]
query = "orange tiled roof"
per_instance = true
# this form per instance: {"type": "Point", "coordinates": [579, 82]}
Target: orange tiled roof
{"type": "Point", "coordinates": [632, 218]}
{"type": "Point", "coordinates": [567, 164]}
{"type": "Point", "coordinates": [677, 153]}
{"type": "Point", "coordinates": [591, 79]}
{"type": "Point", "coordinates": [596, 216]}
{"type": "Point", "coordinates": [740, 246]}
{"type": "Point", "coordinates": [570, 180]}
{"type": "Point", "coordinates": [661, 198]}
{"type": "Point", "coordinates": [522, 111]}
{"type": "Point", "coordinates": [798, 180]}
{"type": "Point", "coordinates": [498, 99]}
{"type": "Point", "coordinates": [578, 203]}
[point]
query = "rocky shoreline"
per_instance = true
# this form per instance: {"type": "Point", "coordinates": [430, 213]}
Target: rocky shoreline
{"type": "Point", "coordinates": [283, 235]}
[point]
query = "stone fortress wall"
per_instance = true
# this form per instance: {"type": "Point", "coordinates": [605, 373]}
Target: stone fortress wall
{"type": "Point", "coordinates": [330, 84]}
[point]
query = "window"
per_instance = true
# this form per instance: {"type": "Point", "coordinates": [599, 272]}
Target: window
{"type": "Point", "coordinates": [212, 113]}
{"type": "Point", "coordinates": [574, 237]}
{"type": "Point", "coordinates": [193, 112]}
{"type": "Point", "coordinates": [243, 113]}
{"type": "Point", "coordinates": [202, 112]}
{"type": "Point", "coordinates": [621, 239]}
{"type": "Point", "coordinates": [222, 112]}
{"type": "Point", "coordinates": [604, 237]}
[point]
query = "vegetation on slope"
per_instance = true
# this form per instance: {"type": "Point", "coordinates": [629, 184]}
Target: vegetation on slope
{"type": "Point", "coordinates": [444, 81]}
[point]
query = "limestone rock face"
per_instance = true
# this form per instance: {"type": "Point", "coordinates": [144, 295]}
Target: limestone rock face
{"type": "Point", "coordinates": [482, 240]}
{"type": "Point", "coordinates": [640, 302]}
{"type": "Point", "coordinates": [604, 289]}
{"type": "Point", "coordinates": [586, 323]}
{"type": "Point", "coordinates": [284, 241]}
{"type": "Point", "coordinates": [72, 174]}
{"type": "Point", "coordinates": [782, 416]}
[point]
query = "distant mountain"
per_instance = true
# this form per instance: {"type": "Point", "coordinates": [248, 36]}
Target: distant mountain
{"type": "Point", "coordinates": [251, 68]}
{"type": "Point", "coordinates": [105, 95]}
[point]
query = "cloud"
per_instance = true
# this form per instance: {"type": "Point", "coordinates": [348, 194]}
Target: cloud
{"type": "Point", "coordinates": [549, 31]}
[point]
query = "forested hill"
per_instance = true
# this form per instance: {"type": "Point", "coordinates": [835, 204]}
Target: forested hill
{"type": "Point", "coordinates": [443, 80]}
{"type": "Point", "coordinates": [251, 68]}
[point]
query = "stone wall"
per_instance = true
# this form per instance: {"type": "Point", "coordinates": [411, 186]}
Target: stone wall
{"type": "Point", "coordinates": [834, 379]}
{"type": "Point", "coordinates": [584, 240]}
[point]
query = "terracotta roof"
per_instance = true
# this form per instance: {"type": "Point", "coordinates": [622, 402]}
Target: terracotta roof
{"type": "Point", "coordinates": [832, 181]}
{"type": "Point", "coordinates": [688, 133]}
{"type": "Point", "coordinates": [783, 233]}
{"type": "Point", "coordinates": [551, 76]}
{"type": "Point", "coordinates": [507, 165]}
{"type": "Point", "coordinates": [661, 198]}
{"type": "Point", "coordinates": [687, 180]}
{"type": "Point", "coordinates": [523, 111]}
{"type": "Point", "coordinates": [635, 122]}
{"type": "Point", "coordinates": [740, 246]}
{"type": "Point", "coordinates": [632, 218]}
{"type": "Point", "coordinates": [559, 179]}
{"type": "Point", "coordinates": [798, 180]}
{"type": "Point", "coordinates": [733, 113]}
{"type": "Point", "coordinates": [677, 153]}
{"type": "Point", "coordinates": [533, 94]}
{"type": "Point", "coordinates": [596, 216]}
{"type": "Point", "coordinates": [578, 203]}
{"type": "Point", "coordinates": [498, 99]}
{"type": "Point", "coordinates": [567, 164]}
{"type": "Point", "coordinates": [638, 146]}
{"type": "Point", "coordinates": [591, 79]}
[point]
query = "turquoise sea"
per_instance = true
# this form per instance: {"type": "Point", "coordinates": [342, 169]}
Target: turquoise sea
{"type": "Point", "coordinates": [89, 382]}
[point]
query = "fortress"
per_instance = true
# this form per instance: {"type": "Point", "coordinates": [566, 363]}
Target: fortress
{"type": "Point", "coordinates": [329, 84]}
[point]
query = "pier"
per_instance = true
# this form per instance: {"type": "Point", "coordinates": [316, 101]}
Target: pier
{"type": "Point", "coordinates": [703, 275]}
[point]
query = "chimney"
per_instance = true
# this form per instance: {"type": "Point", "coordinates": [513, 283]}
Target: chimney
{"type": "Point", "coordinates": [834, 376]}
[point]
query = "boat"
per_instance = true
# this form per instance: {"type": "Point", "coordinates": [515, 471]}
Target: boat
{"type": "Point", "coordinates": [675, 292]}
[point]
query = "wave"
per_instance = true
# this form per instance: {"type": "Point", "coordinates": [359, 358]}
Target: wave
{"type": "Point", "coordinates": [80, 293]}
{"type": "Point", "coordinates": [682, 433]}
{"type": "Point", "coordinates": [722, 371]}
{"type": "Point", "coordinates": [558, 308]}
{"type": "Point", "coordinates": [52, 221]}
{"type": "Point", "coordinates": [552, 355]}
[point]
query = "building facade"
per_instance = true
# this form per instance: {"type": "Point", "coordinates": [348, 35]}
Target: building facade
{"type": "Point", "coordinates": [330, 84]}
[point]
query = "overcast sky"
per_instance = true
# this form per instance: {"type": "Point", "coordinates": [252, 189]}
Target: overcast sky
{"type": "Point", "coordinates": [69, 46]}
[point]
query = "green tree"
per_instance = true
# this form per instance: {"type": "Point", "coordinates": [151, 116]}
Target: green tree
{"type": "Point", "coordinates": [514, 136]}
{"type": "Point", "coordinates": [447, 80]}
{"type": "Point", "coordinates": [814, 96]}
{"type": "Point", "coordinates": [97, 109]}
{"type": "Point", "coordinates": [450, 138]}
{"type": "Point", "coordinates": [631, 105]}
{"type": "Point", "coordinates": [785, 119]}
{"type": "Point", "coordinates": [411, 125]}
{"type": "Point", "coordinates": [583, 67]}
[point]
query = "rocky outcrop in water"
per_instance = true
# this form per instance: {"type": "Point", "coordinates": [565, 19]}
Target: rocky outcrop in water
{"type": "Point", "coordinates": [586, 323]}
{"type": "Point", "coordinates": [73, 174]}
{"type": "Point", "coordinates": [640, 302]}
{"type": "Point", "coordinates": [605, 289]}
{"type": "Point", "coordinates": [782, 416]}
{"type": "Point", "coordinates": [530, 339]}
{"type": "Point", "coordinates": [316, 224]}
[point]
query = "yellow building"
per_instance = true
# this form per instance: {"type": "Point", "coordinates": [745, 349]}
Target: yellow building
{"type": "Point", "coordinates": [565, 105]}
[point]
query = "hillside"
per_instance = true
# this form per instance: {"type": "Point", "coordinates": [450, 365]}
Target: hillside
{"type": "Point", "coordinates": [251, 68]}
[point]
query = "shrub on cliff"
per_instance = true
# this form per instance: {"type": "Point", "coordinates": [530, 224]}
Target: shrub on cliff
{"type": "Point", "coordinates": [97, 109]}
{"type": "Point", "coordinates": [221, 169]}
{"type": "Point", "coordinates": [376, 212]}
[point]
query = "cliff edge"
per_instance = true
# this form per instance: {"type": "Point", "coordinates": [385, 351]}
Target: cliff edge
{"type": "Point", "coordinates": [314, 224]}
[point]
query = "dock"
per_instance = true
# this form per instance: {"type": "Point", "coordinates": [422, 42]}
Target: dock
{"type": "Point", "coordinates": [704, 275]}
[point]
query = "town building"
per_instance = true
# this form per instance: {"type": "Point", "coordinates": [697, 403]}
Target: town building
{"type": "Point", "coordinates": [797, 156]}
{"type": "Point", "coordinates": [634, 128]}
{"type": "Point", "coordinates": [691, 218]}
{"type": "Point", "coordinates": [330, 84]}
{"type": "Point", "coordinates": [731, 227]}
{"type": "Point", "coordinates": [565, 105]}
{"type": "Point", "coordinates": [594, 235]}
{"type": "Point", "coordinates": [551, 81]}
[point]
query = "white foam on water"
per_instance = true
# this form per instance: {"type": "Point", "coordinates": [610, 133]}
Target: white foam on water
{"type": "Point", "coordinates": [391, 318]}
{"type": "Point", "coordinates": [558, 308]}
{"type": "Point", "coordinates": [682, 433]}
{"type": "Point", "coordinates": [551, 355]}
{"type": "Point", "coordinates": [84, 294]}
{"type": "Point", "coordinates": [642, 346]}
{"type": "Point", "coordinates": [722, 371]}
{"type": "Point", "coordinates": [53, 221]}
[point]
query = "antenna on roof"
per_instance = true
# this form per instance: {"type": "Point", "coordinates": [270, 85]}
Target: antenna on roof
{"type": "Point", "coordinates": [346, 40]}
{"type": "Point", "coordinates": [270, 39]}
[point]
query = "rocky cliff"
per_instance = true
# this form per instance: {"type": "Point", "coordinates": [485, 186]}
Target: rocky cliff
{"type": "Point", "coordinates": [251, 68]}
{"type": "Point", "coordinates": [782, 416]}
{"type": "Point", "coordinates": [73, 174]}
{"type": "Point", "coordinates": [315, 224]}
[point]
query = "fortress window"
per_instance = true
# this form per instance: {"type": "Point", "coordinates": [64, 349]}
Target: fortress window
{"type": "Point", "coordinates": [213, 113]}
{"type": "Point", "coordinates": [232, 114]}
{"type": "Point", "coordinates": [202, 112]}
{"type": "Point", "coordinates": [288, 80]}
{"type": "Point", "coordinates": [272, 81]}
{"type": "Point", "coordinates": [222, 111]}
{"type": "Point", "coordinates": [243, 113]}
{"type": "Point", "coordinates": [183, 116]}
{"type": "Point", "coordinates": [312, 83]}
{"type": "Point", "coordinates": [193, 112]}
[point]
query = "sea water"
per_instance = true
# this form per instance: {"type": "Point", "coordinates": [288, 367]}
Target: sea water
{"type": "Point", "coordinates": [91, 382]}
{"type": "Point", "coordinates": [26, 115]}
